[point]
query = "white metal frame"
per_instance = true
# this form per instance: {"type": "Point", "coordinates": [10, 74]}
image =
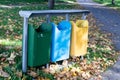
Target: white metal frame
{"type": "Point", "coordinates": [27, 14]}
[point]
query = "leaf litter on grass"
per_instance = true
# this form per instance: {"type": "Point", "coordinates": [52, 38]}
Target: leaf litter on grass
{"type": "Point", "coordinates": [100, 56]}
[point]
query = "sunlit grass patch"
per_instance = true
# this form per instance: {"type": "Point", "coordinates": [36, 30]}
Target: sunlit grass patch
{"type": "Point", "coordinates": [10, 42]}
{"type": "Point", "coordinates": [7, 46]}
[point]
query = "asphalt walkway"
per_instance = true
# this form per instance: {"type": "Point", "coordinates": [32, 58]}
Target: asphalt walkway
{"type": "Point", "coordinates": [110, 20]}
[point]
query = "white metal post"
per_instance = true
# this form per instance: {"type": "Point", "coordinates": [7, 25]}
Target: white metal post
{"type": "Point", "coordinates": [48, 21]}
{"type": "Point", "coordinates": [24, 45]}
{"type": "Point", "coordinates": [48, 18]}
{"type": "Point", "coordinates": [67, 17]}
{"type": "Point", "coordinates": [83, 17]}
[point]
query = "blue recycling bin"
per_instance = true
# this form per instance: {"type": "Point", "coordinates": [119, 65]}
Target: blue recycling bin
{"type": "Point", "coordinates": [60, 41]}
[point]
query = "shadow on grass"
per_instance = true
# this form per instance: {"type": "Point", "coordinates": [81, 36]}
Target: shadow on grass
{"type": "Point", "coordinates": [9, 48]}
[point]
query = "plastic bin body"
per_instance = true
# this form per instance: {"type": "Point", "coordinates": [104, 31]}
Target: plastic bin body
{"type": "Point", "coordinates": [60, 41]}
{"type": "Point", "coordinates": [38, 46]}
{"type": "Point", "coordinates": [79, 38]}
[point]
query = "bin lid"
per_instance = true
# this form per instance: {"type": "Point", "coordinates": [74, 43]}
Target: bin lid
{"type": "Point", "coordinates": [82, 23]}
{"type": "Point", "coordinates": [64, 25]}
{"type": "Point", "coordinates": [44, 27]}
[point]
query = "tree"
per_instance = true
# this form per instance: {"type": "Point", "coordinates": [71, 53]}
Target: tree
{"type": "Point", "coordinates": [113, 2]}
{"type": "Point", "coordinates": [51, 4]}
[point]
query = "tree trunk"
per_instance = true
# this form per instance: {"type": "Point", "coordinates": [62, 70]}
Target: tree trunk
{"type": "Point", "coordinates": [51, 4]}
{"type": "Point", "coordinates": [113, 2]}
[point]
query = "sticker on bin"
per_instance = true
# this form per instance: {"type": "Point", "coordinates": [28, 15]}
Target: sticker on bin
{"type": "Point", "coordinates": [79, 38]}
{"type": "Point", "coordinates": [60, 41]}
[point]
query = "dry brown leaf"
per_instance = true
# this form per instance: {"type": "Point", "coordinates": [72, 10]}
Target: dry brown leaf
{"type": "Point", "coordinates": [41, 78]}
{"type": "Point", "coordinates": [65, 63]}
{"type": "Point", "coordinates": [74, 74]}
{"type": "Point", "coordinates": [66, 69]}
{"type": "Point", "coordinates": [11, 62]}
{"type": "Point", "coordinates": [46, 70]}
{"type": "Point", "coordinates": [2, 59]}
{"type": "Point", "coordinates": [12, 56]}
{"type": "Point", "coordinates": [58, 78]}
{"type": "Point", "coordinates": [4, 74]}
{"type": "Point", "coordinates": [33, 74]}
{"type": "Point", "coordinates": [19, 74]}
{"type": "Point", "coordinates": [68, 75]}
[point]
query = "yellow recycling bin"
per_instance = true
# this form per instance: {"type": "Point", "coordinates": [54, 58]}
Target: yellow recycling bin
{"type": "Point", "coordinates": [79, 38]}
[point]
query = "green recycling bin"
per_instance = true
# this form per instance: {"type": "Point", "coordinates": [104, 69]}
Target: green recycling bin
{"type": "Point", "coordinates": [39, 41]}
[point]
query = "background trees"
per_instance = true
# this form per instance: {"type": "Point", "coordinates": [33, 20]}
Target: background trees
{"type": "Point", "coordinates": [113, 2]}
{"type": "Point", "coordinates": [110, 2]}
{"type": "Point", "coordinates": [51, 4]}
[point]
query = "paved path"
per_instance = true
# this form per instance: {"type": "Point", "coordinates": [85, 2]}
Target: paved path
{"type": "Point", "coordinates": [111, 23]}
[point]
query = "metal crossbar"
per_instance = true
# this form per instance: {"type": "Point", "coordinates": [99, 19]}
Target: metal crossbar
{"type": "Point", "coordinates": [27, 14]}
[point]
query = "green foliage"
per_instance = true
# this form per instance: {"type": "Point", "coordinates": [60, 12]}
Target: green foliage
{"type": "Point", "coordinates": [8, 2]}
{"type": "Point", "coordinates": [108, 3]}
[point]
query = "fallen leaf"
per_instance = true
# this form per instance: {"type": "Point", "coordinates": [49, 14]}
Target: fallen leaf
{"type": "Point", "coordinates": [2, 59]}
{"type": "Point", "coordinates": [4, 74]}
{"type": "Point", "coordinates": [33, 74]}
{"type": "Point", "coordinates": [65, 63]}
{"type": "Point", "coordinates": [12, 56]}
{"type": "Point", "coordinates": [19, 74]}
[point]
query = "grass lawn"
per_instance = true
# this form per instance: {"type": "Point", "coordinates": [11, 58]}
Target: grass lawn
{"type": "Point", "coordinates": [100, 51]}
{"type": "Point", "coordinates": [108, 3]}
{"type": "Point", "coordinates": [11, 22]}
